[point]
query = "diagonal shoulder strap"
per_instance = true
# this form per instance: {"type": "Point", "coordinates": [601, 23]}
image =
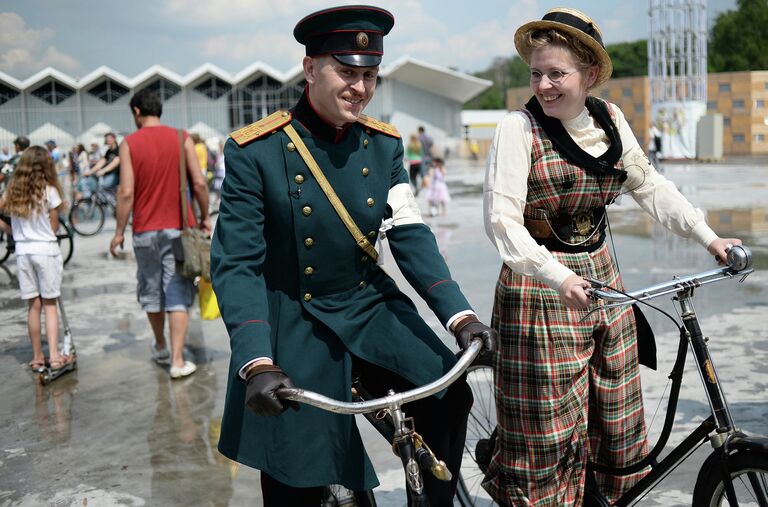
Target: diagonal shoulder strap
{"type": "Point", "coordinates": [350, 224]}
{"type": "Point", "coordinates": [182, 179]}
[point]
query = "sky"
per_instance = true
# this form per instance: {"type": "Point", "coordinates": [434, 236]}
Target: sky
{"type": "Point", "coordinates": [78, 36]}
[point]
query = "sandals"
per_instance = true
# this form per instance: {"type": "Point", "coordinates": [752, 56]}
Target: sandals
{"type": "Point", "coordinates": [36, 366]}
{"type": "Point", "coordinates": [62, 363]}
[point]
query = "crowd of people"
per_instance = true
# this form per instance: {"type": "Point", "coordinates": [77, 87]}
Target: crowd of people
{"type": "Point", "coordinates": [305, 301]}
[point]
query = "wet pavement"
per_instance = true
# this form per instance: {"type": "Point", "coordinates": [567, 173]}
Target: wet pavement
{"type": "Point", "coordinates": [118, 431]}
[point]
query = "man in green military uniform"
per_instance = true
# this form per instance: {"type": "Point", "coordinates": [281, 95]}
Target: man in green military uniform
{"type": "Point", "coordinates": [303, 299]}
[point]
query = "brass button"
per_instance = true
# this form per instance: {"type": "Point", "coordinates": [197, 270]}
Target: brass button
{"type": "Point", "coordinates": [361, 285]}
{"type": "Point", "coordinates": [299, 179]}
{"type": "Point", "coordinates": [308, 242]}
{"type": "Point", "coordinates": [364, 258]}
{"type": "Point", "coordinates": [365, 171]}
{"type": "Point", "coordinates": [370, 202]}
{"type": "Point", "coordinates": [291, 147]}
{"type": "Point", "coordinates": [365, 143]}
{"type": "Point", "coordinates": [285, 113]}
{"type": "Point", "coordinates": [372, 234]}
{"type": "Point", "coordinates": [306, 210]}
{"type": "Point", "coordinates": [307, 297]}
{"type": "Point", "coordinates": [309, 270]}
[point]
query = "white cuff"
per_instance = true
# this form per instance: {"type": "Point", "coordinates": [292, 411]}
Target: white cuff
{"type": "Point", "coordinates": [244, 368]}
{"type": "Point", "coordinates": [453, 319]}
{"type": "Point", "coordinates": [553, 273]}
{"type": "Point", "coordinates": [703, 234]}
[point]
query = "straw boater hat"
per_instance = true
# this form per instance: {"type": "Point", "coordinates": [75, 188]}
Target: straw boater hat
{"type": "Point", "coordinates": [574, 23]}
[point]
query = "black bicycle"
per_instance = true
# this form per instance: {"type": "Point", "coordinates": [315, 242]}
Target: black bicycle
{"type": "Point", "coordinates": [88, 214]}
{"type": "Point", "coordinates": [64, 236]}
{"type": "Point", "coordinates": [736, 472]}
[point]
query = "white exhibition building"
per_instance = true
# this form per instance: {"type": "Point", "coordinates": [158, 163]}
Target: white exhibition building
{"type": "Point", "coordinates": [213, 102]}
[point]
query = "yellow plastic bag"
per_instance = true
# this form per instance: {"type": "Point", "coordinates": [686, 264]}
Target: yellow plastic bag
{"type": "Point", "coordinates": [209, 306]}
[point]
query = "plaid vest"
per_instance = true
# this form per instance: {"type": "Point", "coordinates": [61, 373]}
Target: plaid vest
{"type": "Point", "coordinates": [557, 186]}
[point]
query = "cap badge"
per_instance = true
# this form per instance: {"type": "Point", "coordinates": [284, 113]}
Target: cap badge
{"type": "Point", "coordinates": [362, 40]}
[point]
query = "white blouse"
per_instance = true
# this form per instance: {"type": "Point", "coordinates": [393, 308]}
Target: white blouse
{"type": "Point", "coordinates": [506, 186]}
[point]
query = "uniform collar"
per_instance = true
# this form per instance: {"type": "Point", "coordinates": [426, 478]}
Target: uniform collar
{"type": "Point", "coordinates": [308, 117]}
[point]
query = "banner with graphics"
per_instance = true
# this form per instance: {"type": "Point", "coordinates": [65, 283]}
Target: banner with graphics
{"type": "Point", "coordinates": [677, 122]}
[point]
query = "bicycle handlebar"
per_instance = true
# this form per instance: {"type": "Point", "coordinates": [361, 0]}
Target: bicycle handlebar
{"type": "Point", "coordinates": [396, 399]}
{"type": "Point", "coordinates": [739, 262]}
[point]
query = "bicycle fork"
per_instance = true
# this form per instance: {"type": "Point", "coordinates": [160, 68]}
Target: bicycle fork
{"type": "Point", "coordinates": [403, 443]}
{"type": "Point", "coordinates": [725, 429]}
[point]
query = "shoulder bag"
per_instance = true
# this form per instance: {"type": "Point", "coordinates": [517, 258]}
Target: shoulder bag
{"type": "Point", "coordinates": [192, 250]}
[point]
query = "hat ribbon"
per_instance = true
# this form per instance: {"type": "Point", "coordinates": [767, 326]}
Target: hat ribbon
{"type": "Point", "coordinates": [576, 22]}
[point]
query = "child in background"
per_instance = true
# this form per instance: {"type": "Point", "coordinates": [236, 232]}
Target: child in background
{"type": "Point", "coordinates": [437, 190]}
{"type": "Point", "coordinates": [413, 155]}
{"type": "Point", "coordinates": [33, 200]}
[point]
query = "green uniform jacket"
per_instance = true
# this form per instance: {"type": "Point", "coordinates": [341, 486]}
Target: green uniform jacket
{"type": "Point", "coordinates": [292, 285]}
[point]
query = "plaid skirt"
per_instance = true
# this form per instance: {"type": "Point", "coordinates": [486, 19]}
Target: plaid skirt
{"type": "Point", "coordinates": [567, 391]}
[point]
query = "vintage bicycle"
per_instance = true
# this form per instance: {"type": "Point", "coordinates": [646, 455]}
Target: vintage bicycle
{"type": "Point", "coordinates": [736, 471]}
{"type": "Point", "coordinates": [387, 417]}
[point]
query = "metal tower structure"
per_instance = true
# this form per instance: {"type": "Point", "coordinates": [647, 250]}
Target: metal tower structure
{"type": "Point", "coordinates": [677, 50]}
{"type": "Point", "coordinates": [677, 72]}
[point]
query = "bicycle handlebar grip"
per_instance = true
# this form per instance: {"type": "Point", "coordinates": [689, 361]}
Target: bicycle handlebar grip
{"type": "Point", "coordinates": [739, 258]}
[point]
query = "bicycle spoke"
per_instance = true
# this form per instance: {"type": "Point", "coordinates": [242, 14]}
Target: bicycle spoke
{"type": "Point", "coordinates": [759, 487]}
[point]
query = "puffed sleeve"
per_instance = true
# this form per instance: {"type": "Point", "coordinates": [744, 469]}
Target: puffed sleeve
{"type": "Point", "coordinates": [657, 195]}
{"type": "Point", "coordinates": [504, 194]}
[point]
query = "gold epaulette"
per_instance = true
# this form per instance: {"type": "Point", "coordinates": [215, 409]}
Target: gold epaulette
{"type": "Point", "coordinates": [379, 126]}
{"type": "Point", "coordinates": [257, 129]}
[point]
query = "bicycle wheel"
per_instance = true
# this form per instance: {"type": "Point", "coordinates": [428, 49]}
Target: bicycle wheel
{"type": "Point", "coordinates": [66, 243]}
{"type": "Point", "coordinates": [481, 435]}
{"type": "Point", "coordinates": [86, 217]}
{"type": "Point", "coordinates": [5, 249]}
{"type": "Point", "coordinates": [749, 472]}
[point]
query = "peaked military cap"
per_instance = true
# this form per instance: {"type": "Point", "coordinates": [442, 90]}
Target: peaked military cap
{"type": "Point", "coordinates": [352, 34]}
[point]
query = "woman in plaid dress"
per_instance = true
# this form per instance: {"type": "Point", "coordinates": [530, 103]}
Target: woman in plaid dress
{"type": "Point", "coordinates": [567, 389]}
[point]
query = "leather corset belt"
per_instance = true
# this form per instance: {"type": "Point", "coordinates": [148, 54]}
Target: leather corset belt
{"type": "Point", "coordinates": [567, 228]}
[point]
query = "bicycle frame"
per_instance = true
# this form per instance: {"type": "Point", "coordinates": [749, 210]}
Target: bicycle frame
{"type": "Point", "coordinates": [410, 448]}
{"type": "Point", "coordinates": [719, 427]}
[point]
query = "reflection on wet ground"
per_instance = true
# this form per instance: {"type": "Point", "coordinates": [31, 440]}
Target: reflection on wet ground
{"type": "Point", "coordinates": [118, 432]}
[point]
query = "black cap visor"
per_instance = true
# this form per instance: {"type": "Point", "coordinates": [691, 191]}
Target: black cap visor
{"type": "Point", "coordinates": [358, 60]}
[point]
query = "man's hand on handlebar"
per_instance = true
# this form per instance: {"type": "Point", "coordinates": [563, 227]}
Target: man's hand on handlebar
{"type": "Point", "coordinates": [263, 381]}
{"type": "Point", "coordinates": [719, 248]}
{"type": "Point", "coordinates": [470, 327]}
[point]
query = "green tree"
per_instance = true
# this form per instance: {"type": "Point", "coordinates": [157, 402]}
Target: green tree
{"type": "Point", "coordinates": [739, 38]}
{"type": "Point", "coordinates": [629, 58]}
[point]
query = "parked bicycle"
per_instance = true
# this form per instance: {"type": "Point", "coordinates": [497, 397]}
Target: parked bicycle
{"type": "Point", "coordinates": [64, 236]}
{"type": "Point", "coordinates": [88, 214]}
{"type": "Point", "coordinates": [387, 417]}
{"type": "Point", "coordinates": [736, 472]}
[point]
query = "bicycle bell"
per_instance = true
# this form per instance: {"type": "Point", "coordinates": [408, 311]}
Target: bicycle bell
{"type": "Point", "coordinates": [739, 258]}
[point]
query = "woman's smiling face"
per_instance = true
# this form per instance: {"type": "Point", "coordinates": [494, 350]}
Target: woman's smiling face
{"type": "Point", "coordinates": [560, 84]}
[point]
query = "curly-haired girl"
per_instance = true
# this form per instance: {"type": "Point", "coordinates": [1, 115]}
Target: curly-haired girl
{"type": "Point", "coordinates": [33, 200]}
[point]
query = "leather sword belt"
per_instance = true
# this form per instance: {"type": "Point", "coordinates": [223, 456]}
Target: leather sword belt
{"type": "Point", "coordinates": [566, 228]}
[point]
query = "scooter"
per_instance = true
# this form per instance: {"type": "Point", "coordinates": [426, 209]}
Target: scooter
{"type": "Point", "coordinates": [67, 348]}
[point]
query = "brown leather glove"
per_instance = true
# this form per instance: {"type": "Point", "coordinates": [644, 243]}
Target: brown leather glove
{"type": "Point", "coordinates": [471, 327]}
{"type": "Point", "coordinates": [263, 381]}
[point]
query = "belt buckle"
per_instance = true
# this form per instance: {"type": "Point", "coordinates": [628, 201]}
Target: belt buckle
{"type": "Point", "coordinates": [582, 222]}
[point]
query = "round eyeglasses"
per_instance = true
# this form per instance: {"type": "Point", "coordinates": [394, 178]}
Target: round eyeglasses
{"type": "Point", "coordinates": [554, 76]}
